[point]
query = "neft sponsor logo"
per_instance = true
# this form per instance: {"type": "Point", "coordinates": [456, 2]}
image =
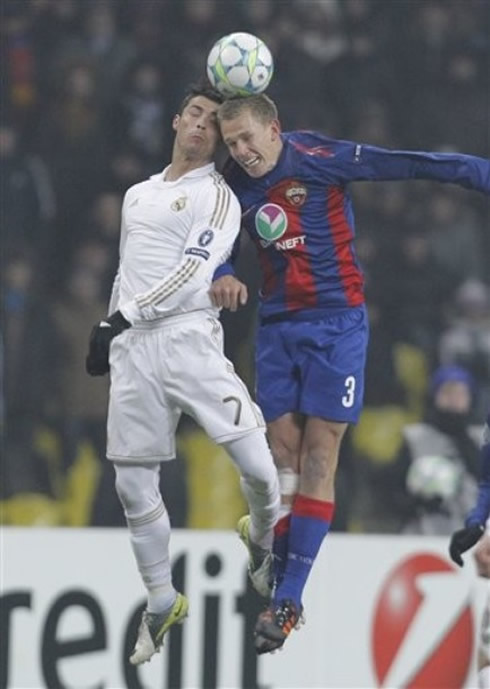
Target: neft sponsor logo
{"type": "Point", "coordinates": [422, 635]}
{"type": "Point", "coordinates": [285, 244]}
{"type": "Point", "coordinates": [290, 243]}
{"type": "Point", "coordinates": [195, 251]}
{"type": "Point", "coordinates": [271, 222]}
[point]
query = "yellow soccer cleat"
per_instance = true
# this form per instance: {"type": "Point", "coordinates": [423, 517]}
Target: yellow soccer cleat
{"type": "Point", "coordinates": [153, 628]}
{"type": "Point", "coordinates": [259, 560]}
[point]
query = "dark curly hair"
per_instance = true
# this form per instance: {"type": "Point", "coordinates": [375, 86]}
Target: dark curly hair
{"type": "Point", "coordinates": [204, 89]}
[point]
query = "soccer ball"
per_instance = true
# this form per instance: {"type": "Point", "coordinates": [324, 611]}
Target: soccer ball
{"type": "Point", "coordinates": [434, 476]}
{"type": "Point", "coordinates": [240, 64]}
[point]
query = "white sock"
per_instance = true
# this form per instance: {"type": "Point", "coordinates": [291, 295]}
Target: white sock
{"type": "Point", "coordinates": [259, 484]}
{"type": "Point", "coordinates": [149, 529]}
{"type": "Point", "coordinates": [150, 536]}
{"type": "Point", "coordinates": [289, 486]}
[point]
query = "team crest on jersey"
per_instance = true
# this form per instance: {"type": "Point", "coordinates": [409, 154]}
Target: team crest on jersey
{"type": "Point", "coordinates": [271, 222]}
{"type": "Point", "coordinates": [179, 204]}
{"type": "Point", "coordinates": [205, 237]}
{"type": "Point", "coordinates": [296, 194]}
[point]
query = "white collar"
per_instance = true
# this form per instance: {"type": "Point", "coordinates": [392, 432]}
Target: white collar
{"type": "Point", "coordinates": [196, 172]}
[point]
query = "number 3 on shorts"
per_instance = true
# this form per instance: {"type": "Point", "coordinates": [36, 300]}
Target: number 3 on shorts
{"type": "Point", "coordinates": [350, 385]}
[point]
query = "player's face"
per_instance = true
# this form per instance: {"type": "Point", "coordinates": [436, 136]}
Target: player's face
{"type": "Point", "coordinates": [254, 145]}
{"type": "Point", "coordinates": [197, 131]}
{"type": "Point", "coordinates": [454, 396]}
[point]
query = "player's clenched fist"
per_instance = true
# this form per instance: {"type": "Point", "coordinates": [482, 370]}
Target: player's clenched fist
{"type": "Point", "coordinates": [97, 362]}
{"type": "Point", "coordinates": [463, 540]}
{"type": "Point", "coordinates": [228, 292]}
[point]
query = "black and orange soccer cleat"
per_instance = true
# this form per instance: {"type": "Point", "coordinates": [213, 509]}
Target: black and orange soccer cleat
{"type": "Point", "coordinates": [275, 624]}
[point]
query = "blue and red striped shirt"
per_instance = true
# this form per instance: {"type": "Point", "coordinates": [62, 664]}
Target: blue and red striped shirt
{"type": "Point", "coordinates": [300, 216]}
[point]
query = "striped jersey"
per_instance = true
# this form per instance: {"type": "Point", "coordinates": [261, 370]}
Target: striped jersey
{"type": "Point", "coordinates": [173, 235]}
{"type": "Point", "coordinates": [301, 219]}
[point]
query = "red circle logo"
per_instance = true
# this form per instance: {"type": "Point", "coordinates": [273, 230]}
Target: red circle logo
{"type": "Point", "coordinates": [422, 636]}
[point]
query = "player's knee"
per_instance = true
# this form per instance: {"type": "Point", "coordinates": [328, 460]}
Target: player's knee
{"type": "Point", "coordinates": [252, 456]}
{"type": "Point", "coordinates": [320, 465]}
{"type": "Point", "coordinates": [286, 454]}
{"type": "Point", "coordinates": [264, 484]}
{"type": "Point", "coordinates": [321, 448]}
{"type": "Point", "coordinates": [137, 488]}
{"type": "Point", "coordinates": [128, 495]}
{"type": "Point", "coordinates": [262, 495]}
{"type": "Point", "coordinates": [260, 478]}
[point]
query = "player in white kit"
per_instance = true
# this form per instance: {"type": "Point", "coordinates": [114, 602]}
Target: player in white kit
{"type": "Point", "coordinates": [163, 345]}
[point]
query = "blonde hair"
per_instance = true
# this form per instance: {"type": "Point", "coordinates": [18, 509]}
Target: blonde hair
{"type": "Point", "coordinates": [260, 106]}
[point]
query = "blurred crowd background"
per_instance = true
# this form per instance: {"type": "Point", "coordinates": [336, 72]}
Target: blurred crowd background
{"type": "Point", "coordinates": [89, 88]}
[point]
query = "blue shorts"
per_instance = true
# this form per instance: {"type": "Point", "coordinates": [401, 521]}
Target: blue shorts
{"type": "Point", "coordinates": [313, 367]}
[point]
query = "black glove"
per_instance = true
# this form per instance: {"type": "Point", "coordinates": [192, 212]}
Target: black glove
{"type": "Point", "coordinates": [97, 361]}
{"type": "Point", "coordinates": [463, 540]}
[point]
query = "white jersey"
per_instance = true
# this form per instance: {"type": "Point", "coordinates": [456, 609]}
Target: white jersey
{"type": "Point", "coordinates": [173, 237]}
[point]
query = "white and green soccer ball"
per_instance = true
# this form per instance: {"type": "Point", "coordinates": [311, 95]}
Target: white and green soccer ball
{"type": "Point", "coordinates": [240, 64]}
{"type": "Point", "coordinates": [434, 476]}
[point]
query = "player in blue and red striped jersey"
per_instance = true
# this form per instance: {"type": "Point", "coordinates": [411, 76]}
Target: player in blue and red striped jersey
{"type": "Point", "coordinates": [313, 333]}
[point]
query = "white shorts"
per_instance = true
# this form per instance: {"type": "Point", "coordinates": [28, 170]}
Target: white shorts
{"type": "Point", "coordinates": [159, 371]}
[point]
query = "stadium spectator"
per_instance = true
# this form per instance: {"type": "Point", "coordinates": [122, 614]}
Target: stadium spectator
{"type": "Point", "coordinates": [81, 401]}
{"type": "Point", "coordinates": [432, 484]}
{"type": "Point", "coordinates": [28, 199]}
{"type": "Point", "coordinates": [139, 112]}
{"type": "Point", "coordinates": [466, 340]}
{"type": "Point", "coordinates": [454, 237]}
{"type": "Point", "coordinates": [72, 140]}
{"type": "Point", "coordinates": [420, 301]}
{"type": "Point", "coordinates": [30, 356]}
{"type": "Point", "coordinates": [101, 46]}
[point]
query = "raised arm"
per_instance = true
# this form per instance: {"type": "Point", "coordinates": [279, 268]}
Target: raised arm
{"type": "Point", "coordinates": [356, 162]}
